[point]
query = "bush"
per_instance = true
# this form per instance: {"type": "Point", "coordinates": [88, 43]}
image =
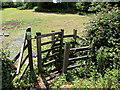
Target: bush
{"type": "Point", "coordinates": [64, 7]}
{"type": "Point", "coordinates": [104, 34]}
{"type": "Point", "coordinates": [6, 70]}
{"type": "Point", "coordinates": [28, 5]}
{"type": "Point", "coordinates": [98, 6]}
{"type": "Point", "coordinates": [82, 6]}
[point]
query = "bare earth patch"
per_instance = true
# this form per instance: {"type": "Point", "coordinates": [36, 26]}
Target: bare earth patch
{"type": "Point", "coordinates": [11, 25]}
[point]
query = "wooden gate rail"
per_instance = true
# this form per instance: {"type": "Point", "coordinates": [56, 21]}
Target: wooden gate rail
{"type": "Point", "coordinates": [67, 60]}
{"type": "Point", "coordinates": [21, 60]}
{"type": "Point", "coordinates": [40, 51]}
{"type": "Point", "coordinates": [58, 48]}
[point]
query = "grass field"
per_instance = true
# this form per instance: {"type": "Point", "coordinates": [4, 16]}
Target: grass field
{"type": "Point", "coordinates": [16, 21]}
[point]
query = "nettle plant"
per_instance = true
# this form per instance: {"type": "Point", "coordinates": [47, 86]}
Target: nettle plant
{"type": "Point", "coordinates": [104, 35]}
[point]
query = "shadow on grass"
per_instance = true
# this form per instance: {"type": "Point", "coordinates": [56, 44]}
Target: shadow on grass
{"type": "Point", "coordinates": [63, 12]}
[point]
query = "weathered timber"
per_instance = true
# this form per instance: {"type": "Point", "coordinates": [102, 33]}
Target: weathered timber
{"type": "Point", "coordinates": [48, 63]}
{"type": "Point", "coordinates": [71, 67]}
{"type": "Point", "coordinates": [16, 57]}
{"type": "Point", "coordinates": [42, 83]}
{"type": "Point", "coordinates": [21, 55]}
{"type": "Point", "coordinates": [61, 44]}
{"type": "Point", "coordinates": [18, 54]}
{"type": "Point", "coordinates": [75, 34]}
{"type": "Point", "coordinates": [28, 33]}
{"type": "Point", "coordinates": [52, 73]}
{"type": "Point", "coordinates": [50, 34]}
{"type": "Point", "coordinates": [39, 56]}
{"type": "Point", "coordinates": [20, 77]}
{"type": "Point", "coordinates": [67, 36]}
{"type": "Point", "coordinates": [80, 49]}
{"type": "Point", "coordinates": [53, 38]}
{"type": "Point", "coordinates": [51, 76]}
{"type": "Point", "coordinates": [51, 47]}
{"type": "Point", "coordinates": [49, 42]}
{"type": "Point", "coordinates": [82, 39]}
{"type": "Point", "coordinates": [50, 56]}
{"type": "Point", "coordinates": [24, 61]}
{"type": "Point", "coordinates": [78, 58]}
{"type": "Point", "coordinates": [66, 57]}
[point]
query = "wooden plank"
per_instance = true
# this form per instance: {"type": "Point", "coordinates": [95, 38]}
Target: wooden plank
{"type": "Point", "coordinates": [67, 36]}
{"type": "Point", "coordinates": [20, 77]}
{"type": "Point", "coordinates": [16, 57]}
{"type": "Point", "coordinates": [55, 69]}
{"type": "Point", "coordinates": [82, 39]}
{"type": "Point", "coordinates": [18, 54]}
{"type": "Point", "coordinates": [78, 58]}
{"type": "Point", "coordinates": [49, 42]}
{"type": "Point", "coordinates": [50, 34]}
{"type": "Point", "coordinates": [42, 82]}
{"type": "Point", "coordinates": [21, 55]}
{"type": "Point", "coordinates": [53, 38]}
{"type": "Point", "coordinates": [66, 57]}
{"type": "Point", "coordinates": [24, 61]}
{"type": "Point", "coordinates": [75, 34]}
{"type": "Point", "coordinates": [39, 56]}
{"type": "Point", "coordinates": [28, 33]}
{"type": "Point", "coordinates": [71, 67]}
{"type": "Point", "coordinates": [57, 53]}
{"type": "Point", "coordinates": [61, 44]}
{"type": "Point", "coordinates": [48, 63]}
{"type": "Point", "coordinates": [51, 76]}
{"type": "Point", "coordinates": [80, 49]}
{"type": "Point", "coordinates": [50, 49]}
{"type": "Point", "coordinates": [57, 44]}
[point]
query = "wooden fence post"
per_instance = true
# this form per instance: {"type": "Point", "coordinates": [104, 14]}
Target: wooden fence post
{"type": "Point", "coordinates": [29, 48]}
{"type": "Point", "coordinates": [61, 43]}
{"type": "Point", "coordinates": [75, 36]}
{"type": "Point", "coordinates": [66, 57]}
{"type": "Point", "coordinates": [53, 38]}
{"type": "Point", "coordinates": [39, 56]}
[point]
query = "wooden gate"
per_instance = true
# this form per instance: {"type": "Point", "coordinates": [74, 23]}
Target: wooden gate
{"type": "Point", "coordinates": [53, 54]}
{"type": "Point", "coordinates": [51, 61]}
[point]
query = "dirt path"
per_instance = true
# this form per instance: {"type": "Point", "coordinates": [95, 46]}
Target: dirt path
{"type": "Point", "coordinates": [16, 44]}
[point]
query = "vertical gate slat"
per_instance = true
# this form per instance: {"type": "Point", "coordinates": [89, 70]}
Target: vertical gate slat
{"type": "Point", "coordinates": [61, 43]}
{"type": "Point", "coordinates": [75, 36]}
{"type": "Point", "coordinates": [53, 38]}
{"type": "Point", "coordinates": [39, 56]}
{"type": "Point", "coordinates": [30, 48]}
{"type": "Point", "coordinates": [66, 57]}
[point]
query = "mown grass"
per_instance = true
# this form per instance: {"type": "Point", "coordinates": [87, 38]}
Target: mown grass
{"type": "Point", "coordinates": [43, 22]}
{"type": "Point", "coordinates": [16, 21]}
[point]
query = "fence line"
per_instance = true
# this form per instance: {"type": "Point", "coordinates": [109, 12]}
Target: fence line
{"type": "Point", "coordinates": [57, 49]}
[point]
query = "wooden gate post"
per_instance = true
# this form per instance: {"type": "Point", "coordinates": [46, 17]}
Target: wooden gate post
{"type": "Point", "coordinates": [66, 57]}
{"type": "Point", "coordinates": [53, 38]}
{"type": "Point", "coordinates": [75, 36]}
{"type": "Point", "coordinates": [29, 42]}
{"type": "Point", "coordinates": [61, 44]}
{"type": "Point", "coordinates": [39, 56]}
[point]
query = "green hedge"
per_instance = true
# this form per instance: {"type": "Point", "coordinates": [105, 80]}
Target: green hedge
{"type": "Point", "coordinates": [104, 34]}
